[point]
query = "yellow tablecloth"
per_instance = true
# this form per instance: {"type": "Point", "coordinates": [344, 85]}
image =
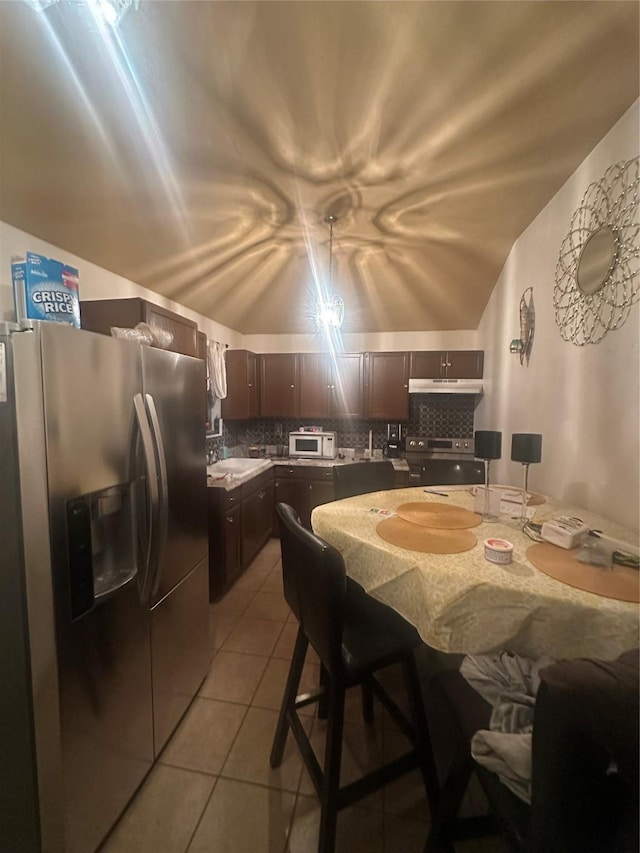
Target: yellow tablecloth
{"type": "Point", "coordinates": [464, 603]}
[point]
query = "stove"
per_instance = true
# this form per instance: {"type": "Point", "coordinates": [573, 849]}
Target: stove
{"type": "Point", "coordinates": [419, 450]}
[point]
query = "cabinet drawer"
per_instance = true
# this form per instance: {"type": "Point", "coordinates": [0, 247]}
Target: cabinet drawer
{"type": "Point", "coordinates": [256, 484]}
{"type": "Point", "coordinates": [231, 499]}
{"type": "Point", "coordinates": [290, 472]}
{"type": "Point", "coordinates": [324, 473]}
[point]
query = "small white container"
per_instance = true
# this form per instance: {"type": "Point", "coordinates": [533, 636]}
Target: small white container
{"type": "Point", "coordinates": [498, 550]}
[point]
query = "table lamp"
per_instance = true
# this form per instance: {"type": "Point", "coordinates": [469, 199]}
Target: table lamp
{"type": "Point", "coordinates": [488, 446]}
{"type": "Point", "coordinates": [526, 447]}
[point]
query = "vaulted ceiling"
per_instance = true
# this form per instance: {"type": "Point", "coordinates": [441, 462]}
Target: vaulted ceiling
{"type": "Point", "coordinates": [200, 153]}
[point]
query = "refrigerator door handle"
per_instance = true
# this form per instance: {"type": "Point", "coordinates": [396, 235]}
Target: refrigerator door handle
{"type": "Point", "coordinates": [153, 503]}
{"type": "Point", "coordinates": [163, 524]}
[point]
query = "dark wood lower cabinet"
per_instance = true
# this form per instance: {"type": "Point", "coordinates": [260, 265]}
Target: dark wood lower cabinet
{"type": "Point", "coordinates": [240, 524]}
{"type": "Point", "coordinates": [257, 516]}
{"type": "Point", "coordinates": [242, 520]}
{"type": "Point", "coordinates": [401, 480]}
{"type": "Point", "coordinates": [304, 488]}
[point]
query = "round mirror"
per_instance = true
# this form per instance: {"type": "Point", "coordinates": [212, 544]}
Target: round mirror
{"type": "Point", "coordinates": [596, 260]}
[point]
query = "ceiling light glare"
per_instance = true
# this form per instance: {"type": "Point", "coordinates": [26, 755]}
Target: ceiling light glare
{"type": "Point", "coordinates": [330, 312]}
{"type": "Point", "coordinates": [40, 5]}
{"type": "Point", "coordinates": [109, 12]}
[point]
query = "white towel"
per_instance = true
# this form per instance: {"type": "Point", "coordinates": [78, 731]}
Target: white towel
{"type": "Point", "coordinates": [510, 684]}
{"type": "Point", "coordinates": [217, 369]}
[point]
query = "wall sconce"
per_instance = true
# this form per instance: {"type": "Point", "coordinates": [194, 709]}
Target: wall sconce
{"type": "Point", "coordinates": [523, 344]}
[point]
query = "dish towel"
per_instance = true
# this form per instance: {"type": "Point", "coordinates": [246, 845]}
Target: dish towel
{"type": "Point", "coordinates": [216, 378]}
{"type": "Point", "coordinates": [510, 684]}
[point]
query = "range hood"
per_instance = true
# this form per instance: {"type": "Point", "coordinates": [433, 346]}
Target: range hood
{"type": "Point", "coordinates": [445, 386]}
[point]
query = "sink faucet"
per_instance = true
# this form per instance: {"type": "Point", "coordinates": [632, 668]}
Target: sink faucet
{"type": "Point", "coordinates": [212, 456]}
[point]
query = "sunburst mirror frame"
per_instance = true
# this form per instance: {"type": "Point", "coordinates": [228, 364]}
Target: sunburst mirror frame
{"type": "Point", "coordinates": [604, 233]}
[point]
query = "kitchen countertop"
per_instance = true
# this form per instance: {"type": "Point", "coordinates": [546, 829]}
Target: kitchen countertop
{"type": "Point", "coordinates": [218, 477]}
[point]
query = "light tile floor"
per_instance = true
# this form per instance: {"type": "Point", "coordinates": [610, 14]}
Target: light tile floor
{"type": "Point", "coordinates": [213, 791]}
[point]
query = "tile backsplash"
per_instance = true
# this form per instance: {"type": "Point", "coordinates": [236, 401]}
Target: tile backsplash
{"type": "Point", "coordinates": [429, 414]}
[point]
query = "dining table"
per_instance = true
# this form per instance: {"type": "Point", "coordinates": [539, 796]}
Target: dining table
{"type": "Point", "coordinates": [464, 603]}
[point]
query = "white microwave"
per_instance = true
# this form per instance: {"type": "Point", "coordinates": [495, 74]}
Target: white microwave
{"type": "Point", "coordinates": [313, 445]}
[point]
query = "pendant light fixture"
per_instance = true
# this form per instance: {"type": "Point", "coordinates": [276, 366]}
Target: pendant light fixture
{"type": "Point", "coordinates": [330, 306]}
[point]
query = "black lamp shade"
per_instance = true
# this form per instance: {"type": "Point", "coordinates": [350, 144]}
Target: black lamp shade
{"type": "Point", "coordinates": [526, 447]}
{"type": "Point", "coordinates": [488, 444]}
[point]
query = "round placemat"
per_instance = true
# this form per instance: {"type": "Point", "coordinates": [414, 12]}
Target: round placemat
{"type": "Point", "coordinates": [429, 540]}
{"type": "Point", "coordinates": [439, 515]}
{"type": "Point", "coordinates": [619, 582]}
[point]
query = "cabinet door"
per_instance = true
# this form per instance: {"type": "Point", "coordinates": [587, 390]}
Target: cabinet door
{"type": "Point", "coordinates": [256, 518]}
{"type": "Point", "coordinates": [279, 385]}
{"type": "Point", "coordinates": [318, 492]}
{"type": "Point", "coordinates": [241, 401]}
{"type": "Point", "coordinates": [232, 546]}
{"type": "Point", "coordinates": [201, 345]}
{"type": "Point", "coordinates": [347, 385]}
{"type": "Point", "coordinates": [289, 491]}
{"type": "Point", "coordinates": [401, 480]}
{"type": "Point", "coordinates": [465, 364]}
{"type": "Point", "coordinates": [388, 386]}
{"type": "Point", "coordinates": [428, 365]}
{"type": "Point", "coordinates": [184, 331]}
{"type": "Point", "coordinates": [315, 385]}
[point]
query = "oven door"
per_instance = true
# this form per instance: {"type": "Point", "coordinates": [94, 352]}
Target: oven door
{"type": "Point", "coordinates": [450, 472]}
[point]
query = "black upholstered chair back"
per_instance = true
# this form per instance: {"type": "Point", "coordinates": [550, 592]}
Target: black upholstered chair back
{"type": "Point", "coordinates": [452, 472]}
{"type": "Point", "coordinates": [360, 478]}
{"type": "Point", "coordinates": [314, 581]}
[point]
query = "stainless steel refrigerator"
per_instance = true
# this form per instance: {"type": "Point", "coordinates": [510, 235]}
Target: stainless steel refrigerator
{"type": "Point", "coordinates": [103, 574]}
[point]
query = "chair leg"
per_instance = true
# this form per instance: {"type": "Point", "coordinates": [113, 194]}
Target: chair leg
{"type": "Point", "coordinates": [367, 702]}
{"type": "Point", "coordinates": [451, 796]}
{"type": "Point", "coordinates": [289, 698]}
{"type": "Point", "coordinates": [421, 726]}
{"type": "Point", "coordinates": [331, 771]}
{"type": "Point", "coordinates": [323, 702]}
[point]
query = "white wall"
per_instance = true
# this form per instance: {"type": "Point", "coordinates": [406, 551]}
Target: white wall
{"type": "Point", "coordinates": [95, 282]}
{"type": "Point", "coordinates": [584, 400]}
{"type": "Point", "coordinates": [373, 342]}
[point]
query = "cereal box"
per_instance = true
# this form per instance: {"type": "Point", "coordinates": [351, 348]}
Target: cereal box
{"type": "Point", "coordinates": [45, 289]}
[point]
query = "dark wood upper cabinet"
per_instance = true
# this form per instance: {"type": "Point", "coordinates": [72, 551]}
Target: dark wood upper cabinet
{"type": "Point", "coordinates": [347, 385]}
{"type": "Point", "coordinates": [387, 381]}
{"type": "Point", "coordinates": [331, 386]}
{"type": "Point", "coordinates": [450, 364]}
{"type": "Point", "coordinates": [279, 393]}
{"type": "Point", "coordinates": [241, 401]}
{"type": "Point", "coordinates": [315, 377]}
{"type": "Point", "coordinates": [201, 345]}
{"type": "Point", "coordinates": [99, 315]}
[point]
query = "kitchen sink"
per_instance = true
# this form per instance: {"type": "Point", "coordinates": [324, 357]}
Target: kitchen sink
{"type": "Point", "coordinates": [234, 466]}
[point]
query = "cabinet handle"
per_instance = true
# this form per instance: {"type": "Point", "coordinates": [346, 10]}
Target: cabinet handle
{"type": "Point", "coordinates": [250, 385]}
{"type": "Point", "coordinates": [291, 386]}
{"type": "Point", "coordinates": [448, 364]}
{"type": "Point", "coordinates": [405, 386]}
{"type": "Point", "coordinates": [261, 495]}
{"type": "Point", "coordinates": [230, 519]}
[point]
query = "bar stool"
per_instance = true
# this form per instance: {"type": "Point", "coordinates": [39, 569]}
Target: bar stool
{"type": "Point", "coordinates": [354, 636]}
